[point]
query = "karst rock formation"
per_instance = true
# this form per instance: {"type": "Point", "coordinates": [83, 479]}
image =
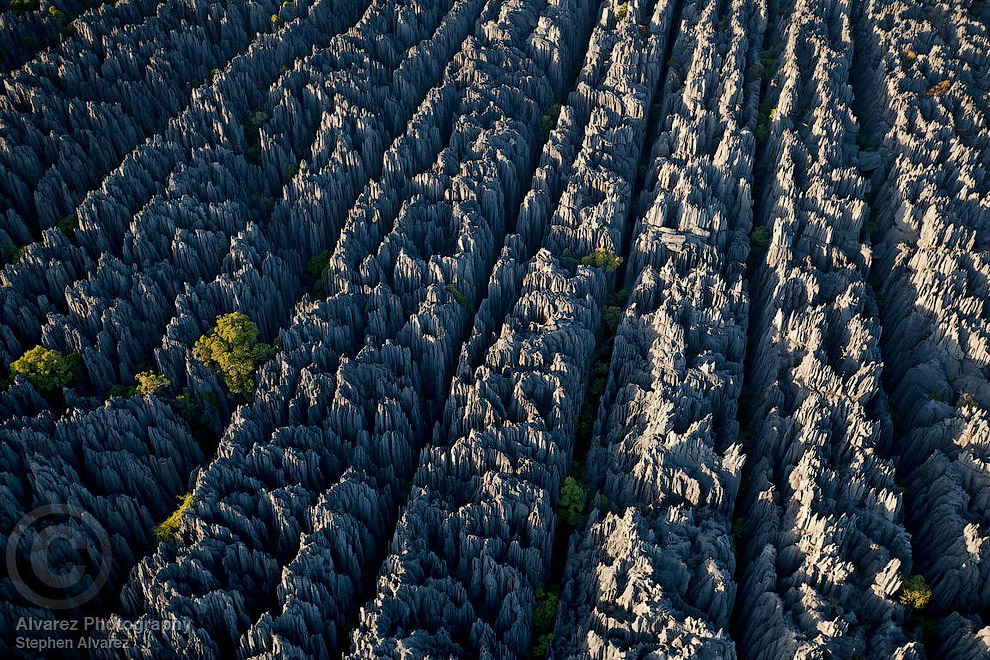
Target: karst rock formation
{"type": "Point", "coordinates": [577, 329]}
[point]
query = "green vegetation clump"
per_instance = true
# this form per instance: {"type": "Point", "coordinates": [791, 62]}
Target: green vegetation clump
{"type": "Point", "coordinates": [68, 225]}
{"type": "Point", "coordinates": [56, 14]}
{"type": "Point", "coordinates": [603, 259]}
{"type": "Point", "coordinates": [541, 646]}
{"type": "Point", "coordinates": [914, 593]}
{"type": "Point", "coordinates": [611, 316]}
{"type": "Point", "coordinates": [48, 370]}
{"type": "Point", "coordinates": [291, 171]}
{"type": "Point", "coordinates": [233, 350]}
{"type": "Point", "coordinates": [319, 264]}
{"type": "Point", "coordinates": [759, 239]}
{"type": "Point", "coordinates": [459, 297]}
{"type": "Point", "coordinates": [148, 382]}
{"type": "Point", "coordinates": [168, 529]}
{"type": "Point", "coordinates": [252, 131]}
{"type": "Point", "coordinates": [739, 528]}
{"type": "Point", "coordinates": [550, 118]}
{"type": "Point", "coordinates": [571, 504]}
{"type": "Point", "coordinates": [939, 89]}
{"type": "Point", "coordinates": [11, 253]}
{"type": "Point", "coordinates": [546, 610]}
{"type": "Point", "coordinates": [20, 7]}
{"type": "Point", "coordinates": [622, 11]}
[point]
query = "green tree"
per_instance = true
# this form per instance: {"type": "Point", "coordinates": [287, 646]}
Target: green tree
{"type": "Point", "coordinates": [68, 225]}
{"type": "Point", "coordinates": [460, 298]}
{"type": "Point", "coordinates": [914, 593]}
{"type": "Point", "coordinates": [550, 119]}
{"type": "Point", "coordinates": [170, 527]}
{"type": "Point", "coordinates": [148, 382]}
{"type": "Point", "coordinates": [604, 259]}
{"type": "Point", "coordinates": [48, 370]}
{"type": "Point", "coordinates": [571, 501]}
{"type": "Point", "coordinates": [540, 648]}
{"type": "Point", "coordinates": [21, 6]}
{"type": "Point", "coordinates": [759, 239]}
{"type": "Point", "coordinates": [546, 611]}
{"type": "Point", "coordinates": [318, 264]}
{"type": "Point", "coordinates": [233, 350]}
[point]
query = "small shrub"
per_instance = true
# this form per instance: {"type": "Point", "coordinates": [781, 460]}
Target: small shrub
{"type": "Point", "coordinates": [120, 390]}
{"type": "Point", "coordinates": [914, 593]}
{"type": "Point", "coordinates": [868, 229]}
{"type": "Point", "coordinates": [541, 646]}
{"type": "Point", "coordinates": [48, 370]}
{"type": "Point", "coordinates": [622, 11]}
{"type": "Point", "coordinates": [550, 119]}
{"type": "Point", "coordinates": [170, 527]}
{"type": "Point", "coordinates": [611, 317]}
{"type": "Point", "coordinates": [908, 55]}
{"type": "Point", "coordinates": [148, 382]}
{"type": "Point", "coordinates": [20, 7]}
{"type": "Point", "coordinates": [252, 131]}
{"type": "Point", "coordinates": [459, 297]}
{"type": "Point", "coordinates": [291, 171]}
{"type": "Point", "coordinates": [318, 264]}
{"type": "Point", "coordinates": [57, 15]}
{"type": "Point", "coordinates": [739, 528]}
{"type": "Point", "coordinates": [233, 350]}
{"type": "Point", "coordinates": [619, 298]}
{"type": "Point", "coordinates": [545, 613]}
{"type": "Point", "coordinates": [276, 19]}
{"type": "Point", "coordinates": [939, 89]}
{"type": "Point", "coordinates": [759, 239]}
{"type": "Point", "coordinates": [68, 225]}
{"type": "Point", "coordinates": [11, 253]}
{"type": "Point", "coordinates": [603, 259]}
{"type": "Point", "coordinates": [571, 504]}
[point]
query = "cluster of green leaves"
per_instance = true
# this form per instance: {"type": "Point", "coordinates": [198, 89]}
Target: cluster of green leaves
{"type": "Point", "coordinates": [759, 239]}
{"type": "Point", "coordinates": [544, 617]}
{"type": "Point", "coordinates": [940, 89]}
{"type": "Point", "coordinates": [318, 264]}
{"type": "Point", "coordinates": [68, 226]}
{"type": "Point", "coordinates": [914, 593]}
{"type": "Point", "coordinates": [762, 70]}
{"type": "Point", "coordinates": [291, 171]}
{"type": "Point", "coordinates": [252, 132]}
{"type": "Point", "coordinates": [170, 527]}
{"type": "Point", "coordinates": [232, 349]}
{"type": "Point", "coordinates": [550, 118]}
{"type": "Point", "coordinates": [11, 253]}
{"type": "Point", "coordinates": [460, 298]}
{"type": "Point", "coordinates": [740, 529]}
{"type": "Point", "coordinates": [47, 369]}
{"type": "Point", "coordinates": [604, 259]}
{"type": "Point", "coordinates": [20, 7]}
{"type": "Point", "coordinates": [763, 120]}
{"type": "Point", "coordinates": [145, 382]}
{"type": "Point", "coordinates": [570, 508]}
{"type": "Point", "coordinates": [622, 11]}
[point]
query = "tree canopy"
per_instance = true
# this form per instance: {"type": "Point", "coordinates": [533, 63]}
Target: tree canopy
{"type": "Point", "coordinates": [47, 369]}
{"type": "Point", "coordinates": [233, 350]}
